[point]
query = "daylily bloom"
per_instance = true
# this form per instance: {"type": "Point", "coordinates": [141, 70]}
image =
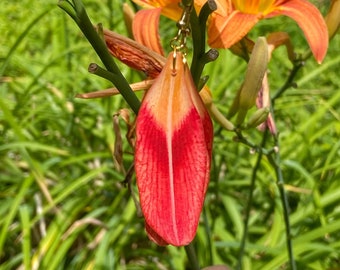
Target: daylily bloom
{"type": "Point", "coordinates": [233, 19]}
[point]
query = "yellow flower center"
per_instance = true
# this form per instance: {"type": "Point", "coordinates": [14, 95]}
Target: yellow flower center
{"type": "Point", "coordinates": [254, 6]}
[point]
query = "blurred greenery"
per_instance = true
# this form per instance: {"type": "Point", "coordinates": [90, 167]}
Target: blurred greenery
{"type": "Point", "coordinates": [62, 201]}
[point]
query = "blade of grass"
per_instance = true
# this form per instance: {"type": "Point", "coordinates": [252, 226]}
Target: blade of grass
{"type": "Point", "coordinates": [26, 236]}
{"type": "Point", "coordinates": [19, 198]}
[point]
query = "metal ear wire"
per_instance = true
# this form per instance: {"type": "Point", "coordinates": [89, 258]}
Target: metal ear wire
{"type": "Point", "coordinates": [178, 43]}
{"type": "Point", "coordinates": [174, 59]}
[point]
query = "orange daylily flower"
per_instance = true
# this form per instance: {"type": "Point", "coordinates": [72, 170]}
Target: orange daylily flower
{"type": "Point", "coordinates": [233, 19]}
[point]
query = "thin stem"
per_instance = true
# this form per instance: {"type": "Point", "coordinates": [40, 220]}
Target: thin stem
{"type": "Point", "coordinates": [259, 149]}
{"type": "Point", "coordinates": [99, 46]}
{"type": "Point", "coordinates": [207, 229]}
{"type": "Point", "coordinates": [191, 254]}
{"type": "Point", "coordinates": [289, 82]}
{"type": "Point", "coordinates": [275, 161]}
{"type": "Point", "coordinates": [250, 202]}
{"type": "Point", "coordinates": [101, 72]}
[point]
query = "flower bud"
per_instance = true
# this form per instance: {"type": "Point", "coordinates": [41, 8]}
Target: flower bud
{"type": "Point", "coordinates": [333, 18]}
{"type": "Point", "coordinates": [247, 94]}
{"type": "Point", "coordinates": [258, 117]}
{"type": "Point", "coordinates": [257, 67]}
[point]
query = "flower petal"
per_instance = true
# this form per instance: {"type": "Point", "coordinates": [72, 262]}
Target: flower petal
{"type": "Point", "coordinates": [145, 29]}
{"type": "Point", "coordinates": [173, 152]}
{"type": "Point", "coordinates": [134, 54]}
{"type": "Point", "coordinates": [154, 236]}
{"type": "Point", "coordinates": [223, 7]}
{"type": "Point", "coordinates": [310, 20]}
{"type": "Point", "coordinates": [170, 8]}
{"type": "Point", "coordinates": [224, 32]}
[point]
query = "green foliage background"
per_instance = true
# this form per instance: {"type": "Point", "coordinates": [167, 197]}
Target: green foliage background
{"type": "Point", "coordinates": [62, 201]}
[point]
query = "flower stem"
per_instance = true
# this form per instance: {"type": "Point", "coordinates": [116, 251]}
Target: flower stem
{"type": "Point", "coordinates": [275, 161]}
{"type": "Point", "coordinates": [79, 15]}
{"type": "Point", "coordinates": [191, 254]}
{"type": "Point", "coordinates": [250, 202]}
{"type": "Point", "coordinates": [198, 26]}
{"type": "Point", "coordinates": [289, 82]}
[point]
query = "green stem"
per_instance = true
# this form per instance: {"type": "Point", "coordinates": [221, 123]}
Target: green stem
{"type": "Point", "coordinates": [99, 46]}
{"type": "Point", "coordinates": [68, 8]}
{"type": "Point", "coordinates": [289, 82]}
{"type": "Point", "coordinates": [191, 254]}
{"type": "Point", "coordinates": [101, 72]}
{"type": "Point", "coordinates": [275, 162]}
{"type": "Point", "coordinates": [207, 229]}
{"type": "Point", "coordinates": [259, 149]}
{"type": "Point", "coordinates": [250, 202]}
{"type": "Point", "coordinates": [198, 28]}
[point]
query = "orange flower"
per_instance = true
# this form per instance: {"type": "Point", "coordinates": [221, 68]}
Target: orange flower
{"type": "Point", "coordinates": [233, 19]}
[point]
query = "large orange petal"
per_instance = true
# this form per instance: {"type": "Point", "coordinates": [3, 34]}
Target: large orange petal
{"type": "Point", "coordinates": [223, 32]}
{"type": "Point", "coordinates": [145, 29]}
{"type": "Point", "coordinates": [172, 155]}
{"type": "Point", "coordinates": [310, 20]}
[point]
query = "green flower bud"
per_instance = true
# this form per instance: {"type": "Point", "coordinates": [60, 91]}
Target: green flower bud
{"type": "Point", "coordinates": [258, 117]}
{"type": "Point", "coordinates": [257, 67]}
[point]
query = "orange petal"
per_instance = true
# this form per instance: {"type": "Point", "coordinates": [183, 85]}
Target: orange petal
{"type": "Point", "coordinates": [170, 8]}
{"type": "Point", "coordinates": [277, 39]}
{"type": "Point", "coordinates": [310, 20]}
{"type": "Point", "coordinates": [224, 32]}
{"type": "Point", "coordinates": [149, 3]}
{"type": "Point", "coordinates": [172, 156]}
{"type": "Point", "coordinates": [145, 29]}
